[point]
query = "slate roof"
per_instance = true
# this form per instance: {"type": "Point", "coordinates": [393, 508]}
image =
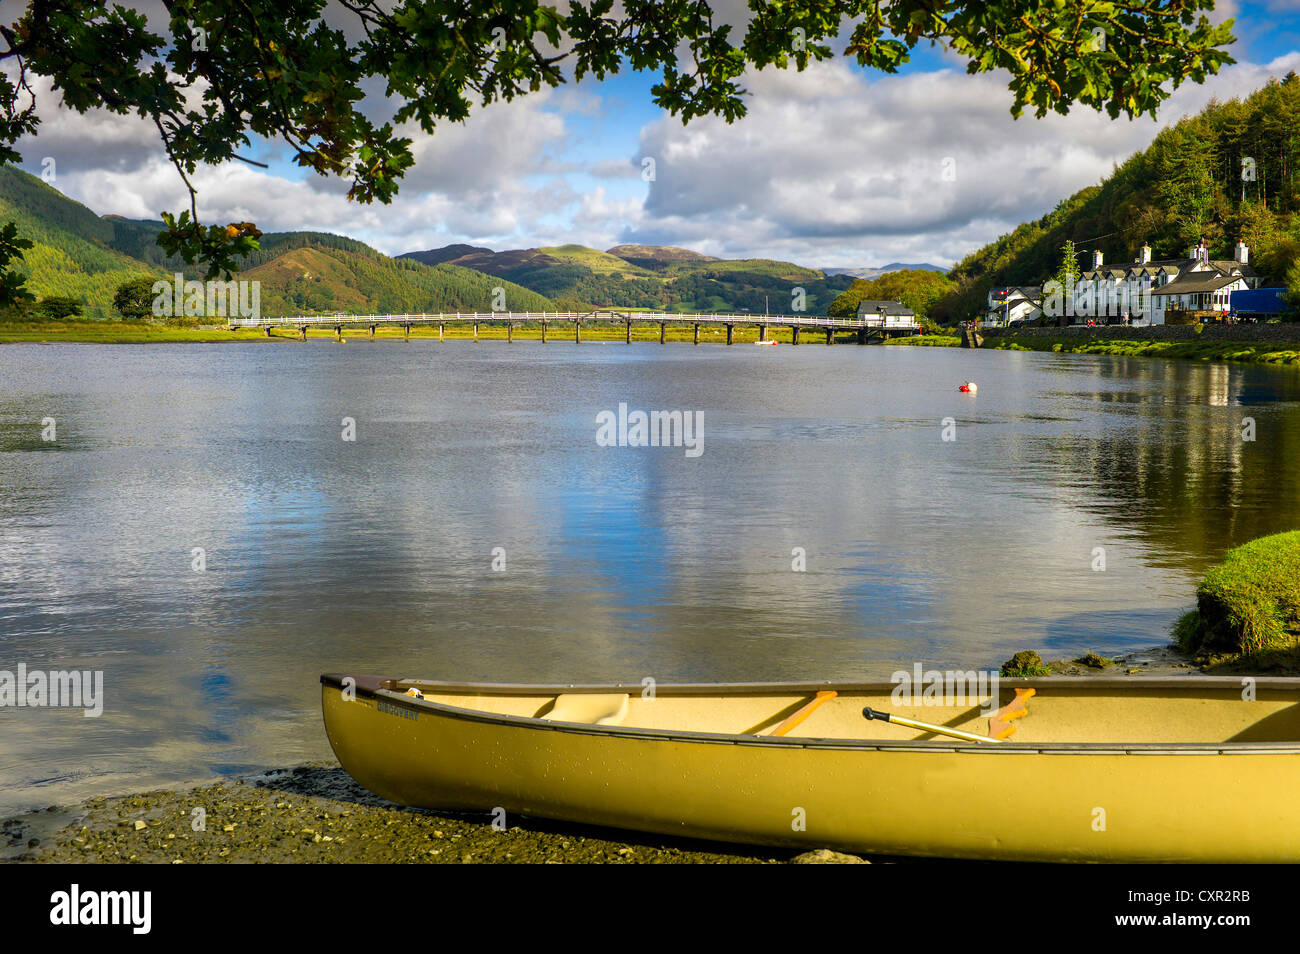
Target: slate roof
{"type": "Point", "coordinates": [1194, 282]}
{"type": "Point", "coordinates": [873, 307]}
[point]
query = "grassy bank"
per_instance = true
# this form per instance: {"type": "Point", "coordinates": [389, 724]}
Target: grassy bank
{"type": "Point", "coordinates": [927, 341]}
{"type": "Point", "coordinates": [1248, 607]}
{"type": "Point", "coordinates": [1253, 352]}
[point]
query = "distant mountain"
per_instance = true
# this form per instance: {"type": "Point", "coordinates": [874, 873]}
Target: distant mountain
{"type": "Point", "coordinates": [870, 273]}
{"type": "Point", "coordinates": [447, 253]}
{"type": "Point", "coordinates": [652, 276]}
{"type": "Point", "coordinates": [77, 253]}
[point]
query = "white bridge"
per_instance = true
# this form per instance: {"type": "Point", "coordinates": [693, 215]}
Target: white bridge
{"type": "Point", "coordinates": [864, 328]}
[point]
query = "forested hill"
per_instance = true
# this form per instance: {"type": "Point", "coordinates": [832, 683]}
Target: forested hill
{"type": "Point", "coordinates": [649, 276]}
{"type": "Point", "coordinates": [1187, 185]}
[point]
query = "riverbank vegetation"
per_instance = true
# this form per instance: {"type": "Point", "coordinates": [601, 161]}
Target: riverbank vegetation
{"type": "Point", "coordinates": [1248, 607]}
{"type": "Point", "coordinates": [918, 289]}
{"type": "Point", "coordinates": [1247, 352]}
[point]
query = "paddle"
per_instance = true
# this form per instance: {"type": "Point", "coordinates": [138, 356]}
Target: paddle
{"type": "Point", "coordinates": [871, 713]}
{"type": "Point", "coordinates": [1000, 727]}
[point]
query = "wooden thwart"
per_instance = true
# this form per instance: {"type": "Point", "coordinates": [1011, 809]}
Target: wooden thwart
{"type": "Point", "coordinates": [807, 709]}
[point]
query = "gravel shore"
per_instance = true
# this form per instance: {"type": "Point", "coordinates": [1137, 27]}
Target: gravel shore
{"type": "Point", "coordinates": [316, 813]}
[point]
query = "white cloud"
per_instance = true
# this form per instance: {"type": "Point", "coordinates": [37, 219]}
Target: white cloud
{"type": "Point", "coordinates": [832, 167]}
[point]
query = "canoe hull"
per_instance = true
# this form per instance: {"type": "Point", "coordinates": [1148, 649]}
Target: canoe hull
{"type": "Point", "coordinates": [998, 802]}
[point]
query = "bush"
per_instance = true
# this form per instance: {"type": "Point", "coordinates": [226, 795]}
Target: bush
{"type": "Point", "coordinates": [58, 308]}
{"type": "Point", "coordinates": [1250, 603]}
{"type": "Point", "coordinates": [134, 298]}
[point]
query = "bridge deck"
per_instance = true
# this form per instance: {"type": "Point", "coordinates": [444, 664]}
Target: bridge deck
{"type": "Point", "coordinates": [513, 317]}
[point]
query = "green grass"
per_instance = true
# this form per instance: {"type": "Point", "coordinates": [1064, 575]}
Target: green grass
{"type": "Point", "coordinates": [116, 332]}
{"type": "Point", "coordinates": [927, 341]}
{"type": "Point", "coordinates": [1248, 605]}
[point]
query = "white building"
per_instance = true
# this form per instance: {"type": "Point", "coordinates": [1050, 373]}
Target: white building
{"type": "Point", "coordinates": [890, 315]}
{"type": "Point", "coordinates": [1145, 290]}
{"type": "Point", "coordinates": [1012, 303]}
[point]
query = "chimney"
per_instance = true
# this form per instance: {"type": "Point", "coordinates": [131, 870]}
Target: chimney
{"type": "Point", "coordinates": [1096, 259]}
{"type": "Point", "coordinates": [1242, 253]}
{"type": "Point", "coordinates": [1144, 256]}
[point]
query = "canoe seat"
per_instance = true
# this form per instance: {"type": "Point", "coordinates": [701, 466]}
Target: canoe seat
{"type": "Point", "coordinates": [589, 707]}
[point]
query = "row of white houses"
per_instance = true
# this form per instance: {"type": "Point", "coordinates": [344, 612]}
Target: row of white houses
{"type": "Point", "coordinates": [1143, 292]}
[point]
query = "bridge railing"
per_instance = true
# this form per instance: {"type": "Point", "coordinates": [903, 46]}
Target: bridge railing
{"type": "Point", "coordinates": [667, 317]}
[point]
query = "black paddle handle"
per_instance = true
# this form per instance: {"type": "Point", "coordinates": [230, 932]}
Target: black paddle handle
{"type": "Point", "coordinates": [871, 713]}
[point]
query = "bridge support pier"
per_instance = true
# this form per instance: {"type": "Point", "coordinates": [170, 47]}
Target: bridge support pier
{"type": "Point", "coordinates": [543, 332]}
{"type": "Point", "coordinates": [729, 328]}
{"type": "Point", "coordinates": [476, 332]}
{"type": "Point", "coordinates": [372, 332]}
{"type": "Point", "coordinates": [628, 336]}
{"type": "Point", "coordinates": [510, 332]}
{"type": "Point", "coordinates": [794, 334]}
{"type": "Point", "coordinates": [697, 332]}
{"type": "Point", "coordinates": [830, 336]}
{"type": "Point", "coordinates": [302, 333]}
{"type": "Point", "coordinates": [338, 332]}
{"type": "Point", "coordinates": [762, 332]}
{"type": "Point", "coordinates": [662, 325]}
{"type": "Point", "coordinates": [268, 332]}
{"type": "Point", "coordinates": [441, 328]}
{"type": "Point", "coordinates": [577, 331]}
{"type": "Point", "coordinates": [407, 330]}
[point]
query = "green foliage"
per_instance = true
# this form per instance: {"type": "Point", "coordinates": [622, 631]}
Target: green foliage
{"type": "Point", "coordinates": [216, 246]}
{"type": "Point", "coordinates": [221, 73]}
{"type": "Point", "coordinates": [918, 289]}
{"type": "Point", "coordinates": [11, 249]}
{"type": "Point", "coordinates": [1190, 184]}
{"type": "Point", "coordinates": [1250, 603]}
{"type": "Point", "coordinates": [1293, 287]}
{"type": "Point", "coordinates": [134, 298]}
{"type": "Point", "coordinates": [59, 307]}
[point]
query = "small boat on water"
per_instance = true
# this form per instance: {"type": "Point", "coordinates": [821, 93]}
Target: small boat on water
{"type": "Point", "coordinates": [1138, 768]}
{"type": "Point", "coordinates": [767, 341]}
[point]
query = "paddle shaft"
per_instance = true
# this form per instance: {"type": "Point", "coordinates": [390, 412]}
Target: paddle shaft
{"type": "Point", "coordinates": [871, 713]}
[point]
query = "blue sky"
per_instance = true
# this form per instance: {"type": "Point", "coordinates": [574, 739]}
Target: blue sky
{"type": "Point", "coordinates": [835, 166]}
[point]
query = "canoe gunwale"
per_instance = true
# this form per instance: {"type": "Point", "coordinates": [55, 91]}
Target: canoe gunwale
{"type": "Point", "coordinates": [371, 683]}
{"type": "Point", "coordinates": [378, 688]}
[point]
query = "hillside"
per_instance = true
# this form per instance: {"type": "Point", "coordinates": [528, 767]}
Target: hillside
{"type": "Point", "coordinates": [305, 272]}
{"type": "Point", "coordinates": [644, 276]}
{"type": "Point", "coordinates": [72, 252]}
{"type": "Point", "coordinates": [1187, 185]}
{"type": "Point", "coordinates": [85, 256]}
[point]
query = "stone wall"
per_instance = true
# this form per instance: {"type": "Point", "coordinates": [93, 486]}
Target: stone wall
{"type": "Point", "coordinates": [1285, 333]}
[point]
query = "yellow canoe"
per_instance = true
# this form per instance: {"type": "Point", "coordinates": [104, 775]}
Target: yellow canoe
{"type": "Point", "coordinates": [1101, 769]}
